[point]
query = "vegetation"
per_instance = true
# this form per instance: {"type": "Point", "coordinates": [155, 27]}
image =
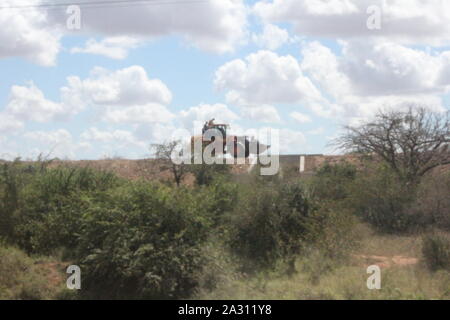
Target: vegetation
{"type": "Point", "coordinates": [225, 236]}
{"type": "Point", "coordinates": [169, 156]}
{"type": "Point", "coordinates": [411, 142]}
{"type": "Point", "coordinates": [436, 251]}
{"type": "Point", "coordinates": [25, 278]}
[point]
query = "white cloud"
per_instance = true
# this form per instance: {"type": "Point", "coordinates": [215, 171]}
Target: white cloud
{"type": "Point", "coordinates": [316, 132]}
{"type": "Point", "coordinates": [265, 78]}
{"type": "Point", "coordinates": [301, 118]}
{"type": "Point", "coordinates": [123, 96]}
{"type": "Point", "coordinates": [120, 138]}
{"type": "Point", "coordinates": [194, 117]}
{"type": "Point", "coordinates": [112, 47]}
{"type": "Point", "coordinates": [262, 113]}
{"type": "Point", "coordinates": [30, 104]}
{"type": "Point", "coordinates": [418, 22]}
{"type": "Point", "coordinates": [115, 142]}
{"type": "Point", "coordinates": [51, 137]}
{"type": "Point", "coordinates": [383, 68]}
{"type": "Point", "coordinates": [160, 133]}
{"type": "Point", "coordinates": [292, 141]}
{"type": "Point", "coordinates": [34, 33]}
{"type": "Point", "coordinates": [148, 113]}
{"type": "Point", "coordinates": [444, 77]}
{"type": "Point", "coordinates": [322, 65]}
{"type": "Point", "coordinates": [272, 37]}
{"type": "Point", "coordinates": [57, 143]}
{"type": "Point", "coordinates": [215, 25]}
{"type": "Point", "coordinates": [9, 124]}
{"type": "Point", "coordinates": [27, 33]}
{"type": "Point", "coordinates": [125, 87]}
{"type": "Point", "coordinates": [367, 78]}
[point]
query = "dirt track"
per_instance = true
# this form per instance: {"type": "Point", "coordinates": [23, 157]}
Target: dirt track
{"type": "Point", "coordinates": [387, 262]}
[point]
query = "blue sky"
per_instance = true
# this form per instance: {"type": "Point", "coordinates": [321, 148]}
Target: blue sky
{"type": "Point", "coordinates": [161, 70]}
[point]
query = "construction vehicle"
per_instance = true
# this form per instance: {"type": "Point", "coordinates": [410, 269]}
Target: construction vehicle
{"type": "Point", "coordinates": [236, 146]}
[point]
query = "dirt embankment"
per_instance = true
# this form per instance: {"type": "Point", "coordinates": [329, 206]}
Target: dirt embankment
{"type": "Point", "coordinates": [151, 169]}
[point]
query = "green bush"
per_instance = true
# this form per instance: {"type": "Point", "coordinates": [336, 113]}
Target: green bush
{"type": "Point", "coordinates": [336, 235]}
{"type": "Point", "coordinates": [331, 181]}
{"type": "Point", "coordinates": [142, 242]}
{"type": "Point", "coordinates": [436, 251]}
{"type": "Point", "coordinates": [218, 200]}
{"type": "Point", "coordinates": [11, 183]}
{"type": "Point", "coordinates": [433, 200]}
{"type": "Point", "coordinates": [45, 226]}
{"type": "Point", "coordinates": [132, 239]}
{"type": "Point", "coordinates": [381, 199]}
{"type": "Point", "coordinates": [205, 174]}
{"type": "Point", "coordinates": [270, 224]}
{"type": "Point", "coordinates": [51, 206]}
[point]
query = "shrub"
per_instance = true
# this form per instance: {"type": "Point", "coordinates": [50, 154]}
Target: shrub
{"type": "Point", "coordinates": [44, 226]}
{"type": "Point", "coordinates": [51, 206]}
{"type": "Point", "coordinates": [255, 230]}
{"type": "Point", "coordinates": [206, 174]}
{"type": "Point", "coordinates": [331, 181]}
{"type": "Point", "coordinates": [336, 235]}
{"type": "Point", "coordinates": [433, 200]}
{"type": "Point", "coordinates": [380, 198]}
{"type": "Point", "coordinates": [11, 183]}
{"type": "Point", "coordinates": [218, 200]}
{"type": "Point", "coordinates": [142, 242]}
{"type": "Point", "coordinates": [436, 251]}
{"type": "Point", "coordinates": [270, 224]}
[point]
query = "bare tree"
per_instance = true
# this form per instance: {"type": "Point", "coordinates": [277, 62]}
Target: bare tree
{"type": "Point", "coordinates": [411, 142]}
{"type": "Point", "coordinates": [164, 153]}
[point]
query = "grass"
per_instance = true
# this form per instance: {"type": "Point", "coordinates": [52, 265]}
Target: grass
{"type": "Point", "coordinates": [320, 278]}
{"type": "Point", "coordinates": [25, 277]}
{"type": "Point", "coordinates": [28, 278]}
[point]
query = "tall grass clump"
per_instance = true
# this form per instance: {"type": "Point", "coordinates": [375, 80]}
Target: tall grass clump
{"type": "Point", "coordinates": [436, 251]}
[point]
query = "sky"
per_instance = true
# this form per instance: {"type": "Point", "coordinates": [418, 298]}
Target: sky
{"type": "Point", "coordinates": [110, 78]}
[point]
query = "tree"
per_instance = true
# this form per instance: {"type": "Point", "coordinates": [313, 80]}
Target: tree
{"type": "Point", "coordinates": [164, 153]}
{"type": "Point", "coordinates": [411, 142]}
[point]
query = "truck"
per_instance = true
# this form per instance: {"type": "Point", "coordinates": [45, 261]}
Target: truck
{"type": "Point", "coordinates": [236, 146]}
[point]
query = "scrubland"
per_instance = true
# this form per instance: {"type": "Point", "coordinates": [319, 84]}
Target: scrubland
{"type": "Point", "coordinates": [225, 236]}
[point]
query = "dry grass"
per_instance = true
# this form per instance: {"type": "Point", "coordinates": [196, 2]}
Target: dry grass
{"type": "Point", "coordinates": [319, 278]}
{"type": "Point", "coordinates": [23, 277]}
